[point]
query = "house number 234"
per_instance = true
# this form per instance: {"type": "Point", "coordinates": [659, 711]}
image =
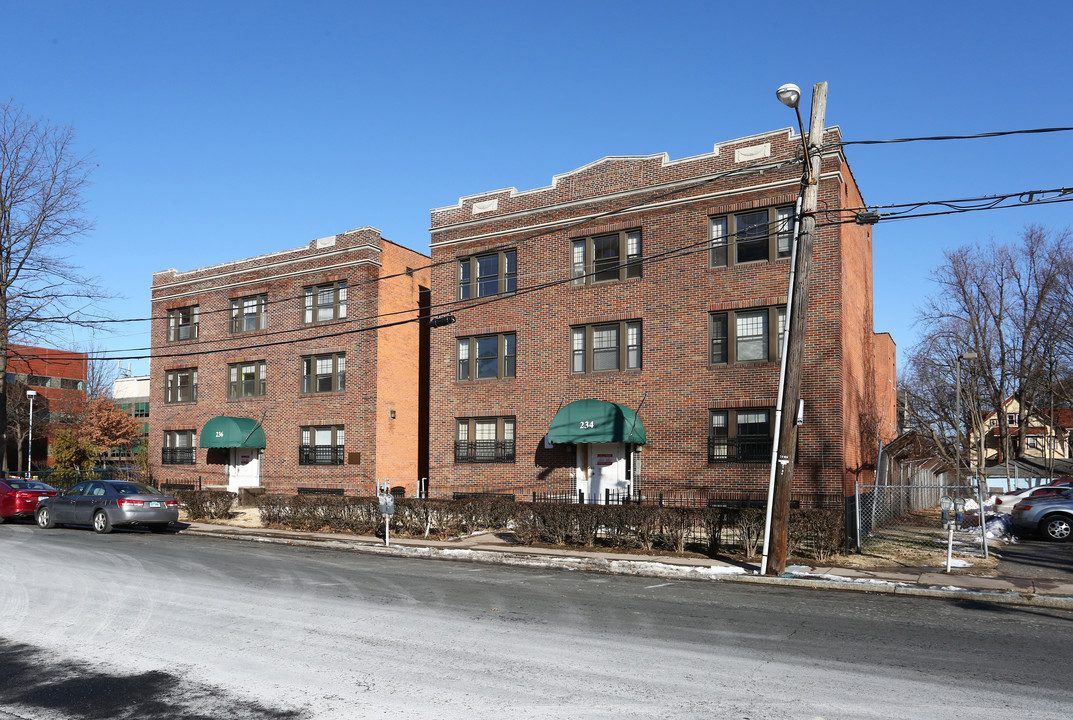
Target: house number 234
{"type": "Point", "coordinates": [586, 424]}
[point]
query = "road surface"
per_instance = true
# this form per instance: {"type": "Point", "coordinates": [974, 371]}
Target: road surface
{"type": "Point", "coordinates": [141, 626]}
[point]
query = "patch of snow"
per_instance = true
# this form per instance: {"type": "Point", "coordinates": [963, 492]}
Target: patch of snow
{"type": "Point", "coordinates": [959, 563]}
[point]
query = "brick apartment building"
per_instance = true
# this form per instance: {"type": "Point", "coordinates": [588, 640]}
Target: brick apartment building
{"type": "Point", "coordinates": [302, 369]}
{"type": "Point", "coordinates": [59, 379]}
{"type": "Point", "coordinates": [619, 330]}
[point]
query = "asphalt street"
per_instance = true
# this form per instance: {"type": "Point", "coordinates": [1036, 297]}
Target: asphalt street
{"type": "Point", "coordinates": [135, 625]}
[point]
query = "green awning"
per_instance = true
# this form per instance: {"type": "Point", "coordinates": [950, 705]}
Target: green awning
{"type": "Point", "coordinates": [229, 432]}
{"type": "Point", "coordinates": [596, 421]}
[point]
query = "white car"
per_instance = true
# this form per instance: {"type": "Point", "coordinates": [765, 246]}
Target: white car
{"type": "Point", "coordinates": [1004, 503]}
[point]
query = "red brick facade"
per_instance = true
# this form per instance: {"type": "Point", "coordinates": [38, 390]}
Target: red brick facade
{"type": "Point", "coordinates": [677, 386]}
{"type": "Point", "coordinates": [380, 406]}
{"type": "Point", "coordinates": [59, 378]}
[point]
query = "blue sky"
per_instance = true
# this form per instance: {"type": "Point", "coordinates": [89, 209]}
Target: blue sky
{"type": "Point", "coordinates": [224, 130]}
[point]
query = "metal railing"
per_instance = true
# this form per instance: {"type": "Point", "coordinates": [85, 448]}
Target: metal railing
{"type": "Point", "coordinates": [320, 454]}
{"type": "Point", "coordinates": [484, 451]}
{"type": "Point", "coordinates": [742, 450]}
{"type": "Point", "coordinates": [177, 456]}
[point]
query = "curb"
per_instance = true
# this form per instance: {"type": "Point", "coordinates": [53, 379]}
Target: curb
{"type": "Point", "coordinates": [655, 569]}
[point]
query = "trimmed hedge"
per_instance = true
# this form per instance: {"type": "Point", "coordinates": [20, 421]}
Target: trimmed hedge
{"type": "Point", "coordinates": [206, 504]}
{"type": "Point", "coordinates": [646, 527]}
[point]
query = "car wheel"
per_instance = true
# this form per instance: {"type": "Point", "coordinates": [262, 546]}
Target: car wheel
{"type": "Point", "coordinates": [101, 523]}
{"type": "Point", "coordinates": [44, 519]}
{"type": "Point", "coordinates": [158, 527]}
{"type": "Point", "coordinates": [2, 519]}
{"type": "Point", "coordinates": [1057, 527]}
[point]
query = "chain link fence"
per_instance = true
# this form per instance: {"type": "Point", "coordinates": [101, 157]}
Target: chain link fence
{"type": "Point", "coordinates": [907, 518]}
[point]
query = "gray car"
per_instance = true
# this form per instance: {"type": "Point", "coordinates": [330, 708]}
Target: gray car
{"type": "Point", "coordinates": [1050, 516]}
{"type": "Point", "coordinates": [107, 503]}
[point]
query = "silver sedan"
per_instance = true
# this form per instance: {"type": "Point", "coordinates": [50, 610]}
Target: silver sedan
{"type": "Point", "coordinates": [107, 503]}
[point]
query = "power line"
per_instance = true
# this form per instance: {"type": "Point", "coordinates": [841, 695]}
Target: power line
{"type": "Point", "coordinates": [1000, 133]}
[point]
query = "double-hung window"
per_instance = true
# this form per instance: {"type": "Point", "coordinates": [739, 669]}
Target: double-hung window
{"type": "Point", "coordinates": [487, 275]}
{"type": "Point", "coordinates": [612, 346]}
{"type": "Point", "coordinates": [605, 258]}
{"type": "Point", "coordinates": [249, 314]}
{"type": "Point", "coordinates": [484, 440]}
{"type": "Point", "coordinates": [179, 447]}
{"type": "Point", "coordinates": [745, 335]}
{"type": "Point", "coordinates": [753, 236]}
{"type": "Point", "coordinates": [180, 385]}
{"type": "Point", "coordinates": [487, 357]}
{"type": "Point", "coordinates": [324, 373]}
{"type": "Point", "coordinates": [740, 435]}
{"type": "Point", "coordinates": [182, 324]}
{"type": "Point", "coordinates": [321, 445]}
{"type": "Point", "coordinates": [324, 303]}
{"type": "Point", "coordinates": [246, 379]}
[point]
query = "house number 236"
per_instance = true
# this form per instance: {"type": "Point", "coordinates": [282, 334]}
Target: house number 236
{"type": "Point", "coordinates": [219, 433]}
{"type": "Point", "coordinates": [586, 424]}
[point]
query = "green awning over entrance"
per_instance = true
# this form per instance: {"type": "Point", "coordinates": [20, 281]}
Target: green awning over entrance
{"type": "Point", "coordinates": [229, 432]}
{"type": "Point", "coordinates": [596, 421]}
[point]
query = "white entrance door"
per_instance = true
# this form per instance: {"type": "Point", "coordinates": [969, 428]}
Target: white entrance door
{"type": "Point", "coordinates": [244, 470]}
{"type": "Point", "coordinates": [601, 467]}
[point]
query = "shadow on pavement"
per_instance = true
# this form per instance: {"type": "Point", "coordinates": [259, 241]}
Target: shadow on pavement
{"type": "Point", "coordinates": [33, 680]}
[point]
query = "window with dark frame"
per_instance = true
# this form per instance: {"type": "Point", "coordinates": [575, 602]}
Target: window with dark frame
{"type": "Point", "coordinates": [183, 324]}
{"type": "Point", "coordinates": [324, 303]}
{"type": "Point", "coordinates": [249, 314]}
{"type": "Point", "coordinates": [246, 380]}
{"type": "Point", "coordinates": [487, 357]}
{"type": "Point", "coordinates": [604, 258]}
{"type": "Point", "coordinates": [484, 440]}
{"type": "Point", "coordinates": [180, 447]}
{"type": "Point", "coordinates": [180, 386]}
{"type": "Point", "coordinates": [489, 274]}
{"type": "Point", "coordinates": [605, 346]}
{"type": "Point", "coordinates": [752, 236]}
{"type": "Point", "coordinates": [324, 373]}
{"type": "Point", "coordinates": [743, 435]}
{"type": "Point", "coordinates": [321, 445]}
{"type": "Point", "coordinates": [737, 336]}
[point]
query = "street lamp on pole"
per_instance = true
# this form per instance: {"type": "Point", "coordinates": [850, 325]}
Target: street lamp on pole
{"type": "Point", "coordinates": [30, 449]}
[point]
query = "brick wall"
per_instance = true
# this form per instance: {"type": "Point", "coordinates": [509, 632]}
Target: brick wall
{"type": "Point", "coordinates": [356, 257]}
{"type": "Point", "coordinates": [671, 203]}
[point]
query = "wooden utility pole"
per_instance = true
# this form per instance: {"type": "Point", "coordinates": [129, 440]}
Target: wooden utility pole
{"type": "Point", "coordinates": [798, 321]}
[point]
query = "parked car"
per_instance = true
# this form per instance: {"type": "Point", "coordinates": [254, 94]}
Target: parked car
{"type": "Point", "coordinates": [105, 504]}
{"type": "Point", "coordinates": [19, 497]}
{"type": "Point", "coordinates": [1005, 503]}
{"type": "Point", "coordinates": [1050, 516]}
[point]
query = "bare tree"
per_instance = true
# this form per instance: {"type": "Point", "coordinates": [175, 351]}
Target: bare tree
{"type": "Point", "coordinates": [1008, 304]}
{"type": "Point", "coordinates": [42, 211]}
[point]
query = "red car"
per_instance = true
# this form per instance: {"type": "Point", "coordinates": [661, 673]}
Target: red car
{"type": "Point", "coordinates": [19, 497]}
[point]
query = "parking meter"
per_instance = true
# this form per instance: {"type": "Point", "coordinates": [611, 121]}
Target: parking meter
{"type": "Point", "coordinates": [946, 504]}
{"type": "Point", "coordinates": [959, 512]}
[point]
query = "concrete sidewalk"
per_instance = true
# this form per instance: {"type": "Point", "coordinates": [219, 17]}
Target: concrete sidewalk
{"type": "Point", "coordinates": [494, 549]}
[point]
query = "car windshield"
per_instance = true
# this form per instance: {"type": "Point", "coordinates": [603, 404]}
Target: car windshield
{"type": "Point", "coordinates": [133, 489]}
{"type": "Point", "coordinates": [28, 485]}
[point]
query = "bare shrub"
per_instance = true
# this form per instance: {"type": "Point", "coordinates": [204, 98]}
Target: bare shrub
{"type": "Point", "coordinates": [206, 504]}
{"type": "Point", "coordinates": [749, 522]}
